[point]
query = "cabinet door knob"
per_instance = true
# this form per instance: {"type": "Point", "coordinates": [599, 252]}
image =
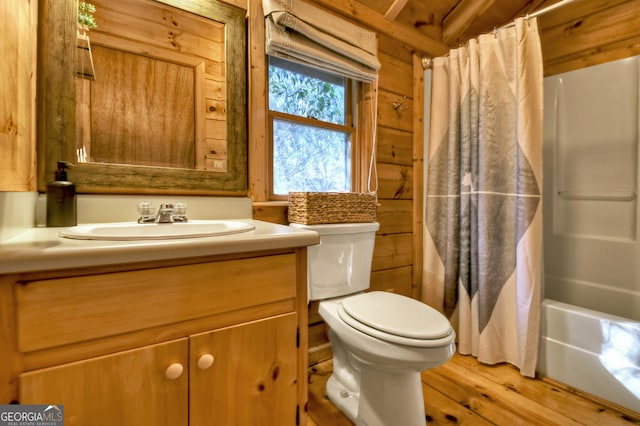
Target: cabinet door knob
{"type": "Point", "coordinates": [205, 361]}
{"type": "Point", "coordinates": [174, 371]}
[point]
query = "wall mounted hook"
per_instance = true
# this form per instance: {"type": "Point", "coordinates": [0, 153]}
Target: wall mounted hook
{"type": "Point", "coordinates": [400, 106]}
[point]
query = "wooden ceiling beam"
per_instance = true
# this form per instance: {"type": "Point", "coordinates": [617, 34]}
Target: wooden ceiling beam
{"type": "Point", "coordinates": [377, 22]}
{"type": "Point", "coordinates": [395, 9]}
{"type": "Point", "coordinates": [461, 17]}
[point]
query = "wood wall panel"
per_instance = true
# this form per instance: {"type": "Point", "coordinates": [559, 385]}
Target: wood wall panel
{"type": "Point", "coordinates": [395, 182]}
{"type": "Point", "coordinates": [394, 48]}
{"type": "Point", "coordinates": [614, 51]}
{"type": "Point", "coordinates": [158, 25]}
{"type": "Point", "coordinates": [392, 67]}
{"type": "Point", "coordinates": [271, 212]}
{"type": "Point", "coordinates": [392, 251]}
{"type": "Point", "coordinates": [395, 146]}
{"type": "Point", "coordinates": [18, 95]}
{"type": "Point", "coordinates": [399, 119]}
{"type": "Point", "coordinates": [321, 348]}
{"type": "Point", "coordinates": [397, 280]}
{"type": "Point", "coordinates": [585, 34]}
{"type": "Point", "coordinates": [395, 216]}
{"type": "Point", "coordinates": [577, 10]}
{"type": "Point", "coordinates": [600, 35]}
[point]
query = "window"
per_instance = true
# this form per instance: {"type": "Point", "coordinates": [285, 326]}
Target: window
{"type": "Point", "coordinates": [311, 129]}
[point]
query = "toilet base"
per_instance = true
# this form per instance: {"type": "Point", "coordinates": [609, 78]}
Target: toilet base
{"type": "Point", "coordinates": [345, 400]}
{"type": "Point", "coordinates": [386, 398]}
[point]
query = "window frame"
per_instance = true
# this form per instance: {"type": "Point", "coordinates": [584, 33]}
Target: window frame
{"type": "Point", "coordinates": [365, 95]}
{"type": "Point", "coordinates": [350, 127]}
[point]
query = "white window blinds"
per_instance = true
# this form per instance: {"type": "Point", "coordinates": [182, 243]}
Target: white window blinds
{"type": "Point", "coordinates": [298, 31]}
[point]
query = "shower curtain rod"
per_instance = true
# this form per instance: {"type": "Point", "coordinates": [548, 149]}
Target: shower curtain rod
{"type": "Point", "coordinates": [538, 13]}
{"type": "Point", "coordinates": [427, 61]}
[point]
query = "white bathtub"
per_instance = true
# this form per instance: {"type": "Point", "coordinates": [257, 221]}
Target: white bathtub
{"type": "Point", "coordinates": [592, 351]}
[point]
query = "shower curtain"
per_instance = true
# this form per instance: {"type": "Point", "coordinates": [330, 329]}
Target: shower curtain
{"type": "Point", "coordinates": [483, 239]}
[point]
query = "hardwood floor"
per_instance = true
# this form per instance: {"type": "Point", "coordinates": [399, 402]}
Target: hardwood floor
{"type": "Point", "coordinates": [464, 392]}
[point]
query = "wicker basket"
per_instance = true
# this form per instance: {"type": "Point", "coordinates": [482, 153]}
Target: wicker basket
{"type": "Point", "coordinates": [311, 208]}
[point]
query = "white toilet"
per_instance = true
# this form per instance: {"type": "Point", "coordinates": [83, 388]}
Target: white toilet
{"type": "Point", "coordinates": [380, 341]}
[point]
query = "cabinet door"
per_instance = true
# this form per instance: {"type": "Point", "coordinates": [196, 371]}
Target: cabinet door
{"type": "Point", "coordinates": [252, 380]}
{"type": "Point", "coordinates": [129, 388]}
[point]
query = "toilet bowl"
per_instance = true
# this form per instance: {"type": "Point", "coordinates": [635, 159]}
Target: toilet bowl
{"type": "Point", "coordinates": [376, 379]}
{"type": "Point", "coordinates": [380, 341]}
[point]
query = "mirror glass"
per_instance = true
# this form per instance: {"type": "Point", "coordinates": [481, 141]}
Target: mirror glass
{"type": "Point", "coordinates": [152, 100]}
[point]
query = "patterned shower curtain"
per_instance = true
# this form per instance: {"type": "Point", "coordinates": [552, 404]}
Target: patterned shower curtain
{"type": "Point", "coordinates": [483, 245]}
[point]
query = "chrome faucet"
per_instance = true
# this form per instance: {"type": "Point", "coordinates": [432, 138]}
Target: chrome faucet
{"type": "Point", "coordinates": [167, 213]}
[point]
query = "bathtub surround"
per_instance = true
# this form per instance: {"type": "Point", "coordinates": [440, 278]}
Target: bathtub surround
{"type": "Point", "coordinates": [483, 246]}
{"type": "Point", "coordinates": [591, 312]}
{"type": "Point", "coordinates": [592, 121]}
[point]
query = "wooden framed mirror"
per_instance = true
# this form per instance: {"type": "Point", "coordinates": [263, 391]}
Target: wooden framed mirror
{"type": "Point", "coordinates": [189, 137]}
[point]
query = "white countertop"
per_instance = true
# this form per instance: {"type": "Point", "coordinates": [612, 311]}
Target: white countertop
{"type": "Point", "coordinates": [40, 249]}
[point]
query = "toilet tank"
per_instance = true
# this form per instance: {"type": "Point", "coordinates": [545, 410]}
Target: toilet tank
{"type": "Point", "coordinates": [341, 263]}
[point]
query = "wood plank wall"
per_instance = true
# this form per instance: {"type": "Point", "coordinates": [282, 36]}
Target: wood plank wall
{"type": "Point", "coordinates": [18, 21]}
{"type": "Point", "coordinates": [588, 33]}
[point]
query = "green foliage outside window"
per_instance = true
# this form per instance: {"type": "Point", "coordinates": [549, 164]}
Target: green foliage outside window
{"type": "Point", "coordinates": [310, 97]}
{"type": "Point", "coordinates": [85, 15]}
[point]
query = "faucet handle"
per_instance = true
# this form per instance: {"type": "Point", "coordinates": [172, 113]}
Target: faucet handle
{"type": "Point", "coordinates": [180, 212]}
{"type": "Point", "coordinates": [146, 208]}
{"type": "Point", "coordinates": [180, 208]}
{"type": "Point", "coordinates": [146, 212]}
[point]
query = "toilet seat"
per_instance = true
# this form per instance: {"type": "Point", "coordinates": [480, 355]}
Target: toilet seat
{"type": "Point", "coordinates": [396, 319]}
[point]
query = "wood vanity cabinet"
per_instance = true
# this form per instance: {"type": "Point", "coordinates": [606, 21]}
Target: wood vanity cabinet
{"type": "Point", "coordinates": [216, 341]}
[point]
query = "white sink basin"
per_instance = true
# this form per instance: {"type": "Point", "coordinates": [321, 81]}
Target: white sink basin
{"type": "Point", "coordinates": [127, 231]}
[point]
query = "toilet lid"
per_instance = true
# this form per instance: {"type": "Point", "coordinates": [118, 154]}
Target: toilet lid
{"type": "Point", "coordinates": [397, 315]}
